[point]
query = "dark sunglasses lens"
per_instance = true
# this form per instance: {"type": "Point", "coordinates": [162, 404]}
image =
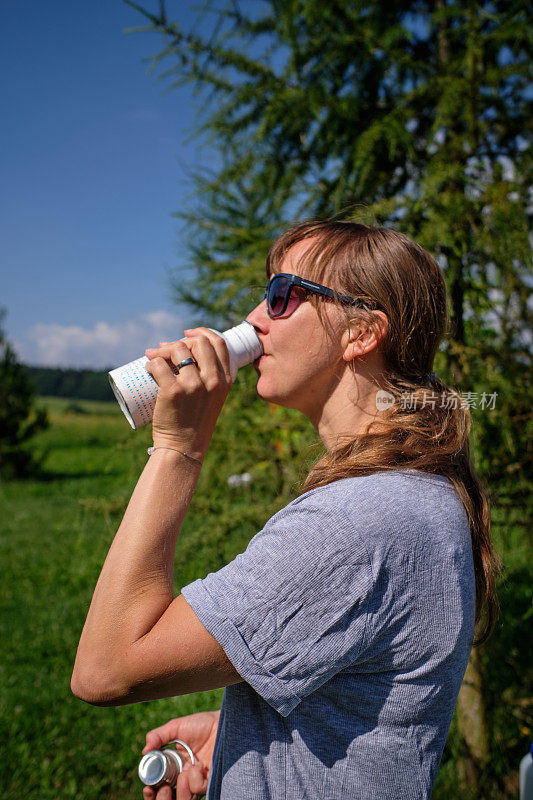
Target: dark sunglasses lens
{"type": "Point", "coordinates": [277, 292]}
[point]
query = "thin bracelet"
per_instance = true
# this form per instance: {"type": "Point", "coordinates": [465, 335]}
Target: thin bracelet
{"type": "Point", "coordinates": [193, 458]}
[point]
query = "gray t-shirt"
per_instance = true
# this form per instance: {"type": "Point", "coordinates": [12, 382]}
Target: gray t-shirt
{"type": "Point", "coordinates": [350, 618]}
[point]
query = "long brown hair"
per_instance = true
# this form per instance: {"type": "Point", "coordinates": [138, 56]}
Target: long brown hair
{"type": "Point", "coordinates": [390, 272]}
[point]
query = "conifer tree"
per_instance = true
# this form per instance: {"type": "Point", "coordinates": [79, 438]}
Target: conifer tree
{"type": "Point", "coordinates": [18, 420]}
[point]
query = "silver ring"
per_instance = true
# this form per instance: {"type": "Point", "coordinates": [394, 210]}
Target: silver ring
{"type": "Point", "coordinates": [185, 363]}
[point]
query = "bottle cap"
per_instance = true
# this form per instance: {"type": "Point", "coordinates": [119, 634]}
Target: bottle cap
{"type": "Point", "coordinates": [152, 768]}
{"type": "Point", "coordinates": [243, 346]}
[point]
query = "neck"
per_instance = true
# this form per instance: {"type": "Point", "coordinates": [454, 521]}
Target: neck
{"type": "Point", "coordinates": [347, 411]}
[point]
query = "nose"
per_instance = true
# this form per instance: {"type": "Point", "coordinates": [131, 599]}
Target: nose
{"type": "Point", "coordinates": [259, 318]}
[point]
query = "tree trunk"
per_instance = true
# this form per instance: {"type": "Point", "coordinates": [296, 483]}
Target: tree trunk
{"type": "Point", "coordinates": [472, 725]}
{"type": "Point", "coordinates": [456, 288]}
{"type": "Point", "coordinates": [471, 716]}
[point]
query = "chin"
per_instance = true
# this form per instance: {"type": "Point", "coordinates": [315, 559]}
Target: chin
{"type": "Point", "coordinates": [264, 393]}
{"type": "Point", "coordinates": [267, 392]}
{"type": "Point", "coordinates": [270, 395]}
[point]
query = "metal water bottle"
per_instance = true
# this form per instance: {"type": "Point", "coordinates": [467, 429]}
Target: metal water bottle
{"type": "Point", "coordinates": [526, 776]}
{"type": "Point", "coordinates": [159, 767]}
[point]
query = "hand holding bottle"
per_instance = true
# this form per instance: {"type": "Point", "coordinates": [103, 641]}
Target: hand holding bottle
{"type": "Point", "coordinates": [193, 378]}
{"type": "Point", "coordinates": [199, 731]}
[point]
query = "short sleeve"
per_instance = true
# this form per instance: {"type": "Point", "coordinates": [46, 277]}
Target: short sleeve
{"type": "Point", "coordinates": [291, 611]}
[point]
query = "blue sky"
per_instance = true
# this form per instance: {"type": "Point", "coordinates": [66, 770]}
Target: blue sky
{"type": "Point", "coordinates": [93, 159]}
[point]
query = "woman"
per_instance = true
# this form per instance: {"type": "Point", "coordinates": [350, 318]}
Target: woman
{"type": "Point", "coordinates": [342, 633]}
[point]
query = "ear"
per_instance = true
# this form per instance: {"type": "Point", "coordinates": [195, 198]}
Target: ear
{"type": "Point", "coordinates": [362, 338]}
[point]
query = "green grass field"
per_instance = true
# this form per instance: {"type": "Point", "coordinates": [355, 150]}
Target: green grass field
{"type": "Point", "coordinates": [56, 531]}
{"type": "Point", "coordinates": [55, 534]}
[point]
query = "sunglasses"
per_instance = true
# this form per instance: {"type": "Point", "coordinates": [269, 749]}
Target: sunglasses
{"type": "Point", "coordinates": [284, 293]}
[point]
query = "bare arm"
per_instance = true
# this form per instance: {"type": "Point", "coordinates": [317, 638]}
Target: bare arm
{"type": "Point", "coordinates": [138, 642]}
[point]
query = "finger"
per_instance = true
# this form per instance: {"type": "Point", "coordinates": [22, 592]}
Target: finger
{"type": "Point", "coordinates": [201, 354]}
{"type": "Point", "coordinates": [219, 344]}
{"type": "Point", "coordinates": [161, 372]}
{"type": "Point", "coordinates": [148, 793]}
{"type": "Point", "coordinates": [164, 793]}
{"type": "Point", "coordinates": [165, 349]}
{"type": "Point", "coordinates": [197, 779]}
{"type": "Point", "coordinates": [157, 737]}
{"type": "Point", "coordinates": [218, 341]}
{"type": "Point", "coordinates": [174, 354]}
{"type": "Point", "coordinates": [153, 742]}
{"type": "Point", "coordinates": [180, 351]}
{"type": "Point", "coordinates": [211, 369]}
{"type": "Point", "coordinates": [185, 790]}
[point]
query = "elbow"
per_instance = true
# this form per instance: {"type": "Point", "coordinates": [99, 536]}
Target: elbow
{"type": "Point", "coordinates": [97, 688]}
{"type": "Point", "coordinates": [91, 694]}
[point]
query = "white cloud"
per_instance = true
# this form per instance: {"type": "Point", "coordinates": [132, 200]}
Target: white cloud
{"type": "Point", "coordinates": [106, 344]}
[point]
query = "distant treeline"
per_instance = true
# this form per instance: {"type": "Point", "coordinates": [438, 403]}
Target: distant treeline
{"type": "Point", "coordinates": [81, 384]}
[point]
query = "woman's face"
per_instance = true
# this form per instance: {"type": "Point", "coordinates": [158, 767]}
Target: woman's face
{"type": "Point", "coordinates": [302, 362]}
